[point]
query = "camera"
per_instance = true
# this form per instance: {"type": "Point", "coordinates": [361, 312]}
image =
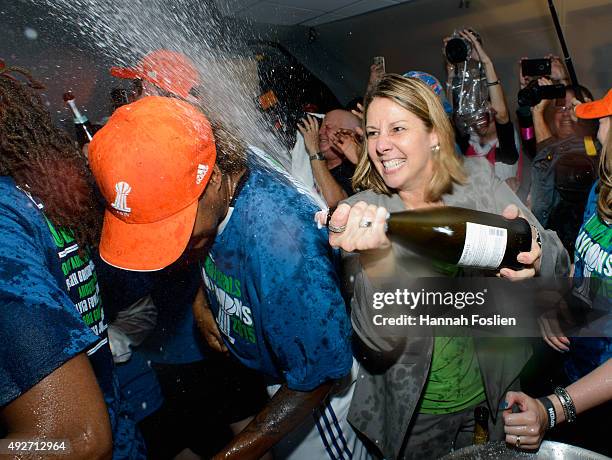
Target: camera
{"type": "Point", "coordinates": [457, 50]}
{"type": "Point", "coordinates": [532, 94]}
{"type": "Point", "coordinates": [536, 67]}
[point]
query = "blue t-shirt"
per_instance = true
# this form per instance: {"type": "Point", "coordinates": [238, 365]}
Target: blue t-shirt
{"type": "Point", "coordinates": [50, 310]}
{"type": "Point", "coordinates": [273, 288]}
{"type": "Point", "coordinates": [593, 286]}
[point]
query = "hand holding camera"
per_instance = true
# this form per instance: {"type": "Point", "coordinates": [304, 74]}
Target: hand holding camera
{"type": "Point", "coordinates": [460, 46]}
{"type": "Point", "coordinates": [535, 74]}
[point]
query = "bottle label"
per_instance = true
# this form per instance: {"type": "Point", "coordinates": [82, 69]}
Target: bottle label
{"type": "Point", "coordinates": [484, 246]}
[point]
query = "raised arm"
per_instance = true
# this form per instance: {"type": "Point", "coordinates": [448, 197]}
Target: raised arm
{"type": "Point", "coordinates": [496, 92]}
{"type": "Point", "coordinates": [331, 189]}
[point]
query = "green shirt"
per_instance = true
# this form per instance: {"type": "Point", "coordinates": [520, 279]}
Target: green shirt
{"type": "Point", "coordinates": [454, 382]}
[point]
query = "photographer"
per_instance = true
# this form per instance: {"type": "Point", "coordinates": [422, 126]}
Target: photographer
{"type": "Point", "coordinates": [493, 135]}
{"type": "Point", "coordinates": [565, 164]}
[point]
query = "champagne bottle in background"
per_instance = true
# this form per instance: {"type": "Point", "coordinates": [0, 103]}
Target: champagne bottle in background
{"type": "Point", "coordinates": [461, 236]}
{"type": "Point", "coordinates": [481, 425]}
{"type": "Point", "coordinates": [83, 128]}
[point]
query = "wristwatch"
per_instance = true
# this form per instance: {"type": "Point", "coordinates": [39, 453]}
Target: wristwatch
{"type": "Point", "coordinates": [317, 156]}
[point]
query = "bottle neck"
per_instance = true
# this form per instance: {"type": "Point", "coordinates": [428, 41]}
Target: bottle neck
{"type": "Point", "coordinates": [79, 118]}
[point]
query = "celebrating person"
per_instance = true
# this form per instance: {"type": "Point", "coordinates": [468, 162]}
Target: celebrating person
{"type": "Point", "coordinates": [415, 395]}
{"type": "Point", "coordinates": [270, 292]}
{"type": "Point", "coordinates": [586, 360]}
{"type": "Point", "coordinates": [56, 370]}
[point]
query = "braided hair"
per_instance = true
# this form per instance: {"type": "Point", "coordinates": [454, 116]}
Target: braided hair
{"type": "Point", "coordinates": [43, 160]}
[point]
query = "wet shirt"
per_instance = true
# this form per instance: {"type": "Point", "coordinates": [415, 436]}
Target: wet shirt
{"type": "Point", "coordinates": [593, 288]}
{"type": "Point", "coordinates": [273, 288]}
{"type": "Point", "coordinates": [454, 382]}
{"type": "Point", "coordinates": [50, 310]}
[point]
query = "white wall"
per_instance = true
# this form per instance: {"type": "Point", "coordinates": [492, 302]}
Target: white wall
{"type": "Point", "coordinates": [410, 37]}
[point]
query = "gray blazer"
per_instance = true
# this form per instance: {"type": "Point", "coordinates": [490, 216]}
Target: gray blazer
{"type": "Point", "coordinates": [393, 371]}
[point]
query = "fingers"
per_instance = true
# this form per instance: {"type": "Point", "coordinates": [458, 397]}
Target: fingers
{"type": "Point", "coordinates": [517, 275]}
{"type": "Point", "coordinates": [301, 127]}
{"type": "Point", "coordinates": [526, 442]}
{"type": "Point", "coordinates": [341, 215]}
{"type": "Point", "coordinates": [511, 212]}
{"type": "Point", "coordinates": [313, 124]}
{"type": "Point", "coordinates": [553, 338]}
{"type": "Point", "coordinates": [543, 81]}
{"type": "Point", "coordinates": [214, 340]}
{"type": "Point", "coordinates": [363, 227]}
{"type": "Point", "coordinates": [358, 112]}
{"type": "Point", "coordinates": [529, 259]}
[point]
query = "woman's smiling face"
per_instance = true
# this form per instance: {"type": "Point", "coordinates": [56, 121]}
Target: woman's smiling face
{"type": "Point", "coordinates": [399, 145]}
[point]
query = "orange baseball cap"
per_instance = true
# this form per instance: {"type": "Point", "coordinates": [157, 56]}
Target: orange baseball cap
{"type": "Point", "coordinates": [169, 70]}
{"type": "Point", "coordinates": [152, 161]}
{"type": "Point", "coordinates": [596, 109]}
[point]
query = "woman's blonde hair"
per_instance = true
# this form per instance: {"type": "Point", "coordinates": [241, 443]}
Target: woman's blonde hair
{"type": "Point", "coordinates": [419, 99]}
{"type": "Point", "coordinates": [604, 200]}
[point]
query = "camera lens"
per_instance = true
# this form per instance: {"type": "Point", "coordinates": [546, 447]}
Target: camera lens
{"type": "Point", "coordinates": [457, 50]}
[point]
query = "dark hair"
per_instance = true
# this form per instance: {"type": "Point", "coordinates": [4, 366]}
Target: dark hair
{"type": "Point", "coordinates": [231, 149]}
{"type": "Point", "coordinates": [43, 160]}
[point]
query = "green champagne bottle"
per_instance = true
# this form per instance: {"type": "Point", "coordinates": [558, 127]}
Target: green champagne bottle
{"type": "Point", "coordinates": [461, 236]}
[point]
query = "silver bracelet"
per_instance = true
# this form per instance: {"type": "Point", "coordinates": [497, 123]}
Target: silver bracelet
{"type": "Point", "coordinates": [569, 409]}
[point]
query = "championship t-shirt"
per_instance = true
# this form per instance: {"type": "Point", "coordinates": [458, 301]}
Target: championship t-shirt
{"type": "Point", "coordinates": [272, 285]}
{"type": "Point", "coordinates": [50, 310]}
{"type": "Point", "coordinates": [593, 288]}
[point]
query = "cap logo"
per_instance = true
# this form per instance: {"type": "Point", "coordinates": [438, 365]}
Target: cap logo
{"type": "Point", "coordinates": [120, 203]}
{"type": "Point", "coordinates": [202, 170]}
{"type": "Point", "coordinates": [152, 74]}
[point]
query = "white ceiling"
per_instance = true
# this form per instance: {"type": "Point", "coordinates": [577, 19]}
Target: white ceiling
{"type": "Point", "coordinates": [301, 12]}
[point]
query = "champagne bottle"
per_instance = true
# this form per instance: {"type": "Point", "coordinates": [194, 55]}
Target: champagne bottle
{"type": "Point", "coordinates": [461, 236]}
{"type": "Point", "coordinates": [481, 425]}
{"type": "Point", "coordinates": [83, 128]}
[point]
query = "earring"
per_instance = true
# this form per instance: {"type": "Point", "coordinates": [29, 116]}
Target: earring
{"type": "Point", "coordinates": [435, 148]}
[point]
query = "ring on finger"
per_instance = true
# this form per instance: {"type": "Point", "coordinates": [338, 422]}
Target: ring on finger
{"type": "Point", "coordinates": [332, 228]}
{"type": "Point", "coordinates": [518, 441]}
{"type": "Point", "coordinates": [365, 223]}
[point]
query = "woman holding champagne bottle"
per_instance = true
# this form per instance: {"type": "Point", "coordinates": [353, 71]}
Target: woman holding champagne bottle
{"type": "Point", "coordinates": [416, 396]}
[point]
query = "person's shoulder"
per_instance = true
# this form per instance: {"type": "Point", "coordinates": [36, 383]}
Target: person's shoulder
{"type": "Point", "coordinates": [10, 193]}
{"type": "Point", "coordinates": [369, 196]}
{"type": "Point", "coordinates": [17, 207]}
{"type": "Point", "coordinates": [269, 191]}
{"type": "Point", "coordinates": [475, 166]}
{"type": "Point", "coordinates": [480, 179]}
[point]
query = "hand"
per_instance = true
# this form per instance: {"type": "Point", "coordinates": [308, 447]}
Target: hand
{"type": "Point", "coordinates": [207, 325]}
{"type": "Point", "coordinates": [309, 127]}
{"type": "Point", "coordinates": [348, 142]}
{"type": "Point", "coordinates": [523, 80]}
{"type": "Point", "coordinates": [544, 103]}
{"type": "Point", "coordinates": [479, 53]}
{"type": "Point", "coordinates": [531, 260]}
{"type": "Point", "coordinates": [530, 424]}
{"type": "Point", "coordinates": [558, 73]}
{"type": "Point", "coordinates": [377, 71]}
{"type": "Point", "coordinates": [575, 103]}
{"type": "Point", "coordinates": [552, 333]}
{"type": "Point", "coordinates": [358, 112]}
{"type": "Point", "coordinates": [363, 227]}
